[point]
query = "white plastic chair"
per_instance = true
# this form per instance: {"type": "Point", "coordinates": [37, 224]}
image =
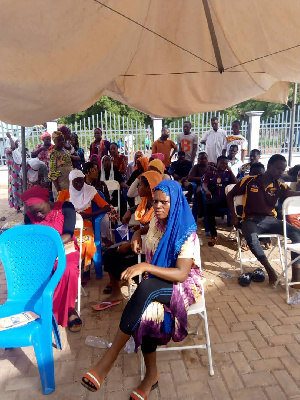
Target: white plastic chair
{"type": "Point", "coordinates": [239, 201]}
{"type": "Point", "coordinates": [200, 309]}
{"type": "Point", "coordinates": [112, 186]}
{"type": "Point", "coordinates": [79, 225]}
{"type": "Point", "coordinates": [291, 205]}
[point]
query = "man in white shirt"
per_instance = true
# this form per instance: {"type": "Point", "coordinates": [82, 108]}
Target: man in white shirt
{"type": "Point", "coordinates": [188, 142]}
{"type": "Point", "coordinates": [237, 139]}
{"type": "Point", "coordinates": [234, 162]}
{"type": "Point", "coordinates": [215, 141]}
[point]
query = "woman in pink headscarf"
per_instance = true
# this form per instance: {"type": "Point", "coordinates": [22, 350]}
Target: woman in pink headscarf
{"type": "Point", "coordinates": [41, 151]}
{"type": "Point", "coordinates": [157, 156]}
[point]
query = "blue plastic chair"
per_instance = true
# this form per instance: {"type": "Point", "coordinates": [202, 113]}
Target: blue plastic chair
{"type": "Point", "coordinates": [97, 239]}
{"type": "Point", "coordinates": [28, 254]}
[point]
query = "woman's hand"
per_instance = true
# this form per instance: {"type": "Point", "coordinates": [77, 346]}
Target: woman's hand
{"type": "Point", "coordinates": [85, 215]}
{"type": "Point", "coordinates": [136, 242]}
{"type": "Point", "coordinates": [133, 271]}
{"type": "Point", "coordinates": [126, 217]}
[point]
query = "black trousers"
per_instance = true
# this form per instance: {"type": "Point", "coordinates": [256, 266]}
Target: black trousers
{"type": "Point", "coordinates": [212, 207]}
{"type": "Point", "coordinates": [252, 227]}
{"type": "Point", "coordinates": [149, 290]}
{"type": "Point", "coordinates": [115, 263]}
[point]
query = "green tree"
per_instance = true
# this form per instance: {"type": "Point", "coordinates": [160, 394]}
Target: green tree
{"type": "Point", "coordinates": [107, 104]}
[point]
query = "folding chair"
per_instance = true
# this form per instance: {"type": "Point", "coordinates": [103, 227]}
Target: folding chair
{"type": "Point", "coordinates": [133, 221]}
{"type": "Point", "coordinates": [289, 206]}
{"type": "Point", "coordinates": [239, 201]}
{"type": "Point", "coordinates": [112, 186]}
{"type": "Point", "coordinates": [200, 309]}
{"type": "Point", "coordinates": [79, 225]}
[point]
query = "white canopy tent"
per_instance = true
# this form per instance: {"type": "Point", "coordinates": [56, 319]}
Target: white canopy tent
{"type": "Point", "coordinates": [161, 57]}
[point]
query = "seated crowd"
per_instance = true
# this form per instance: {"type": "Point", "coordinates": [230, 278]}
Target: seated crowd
{"type": "Point", "coordinates": [61, 184]}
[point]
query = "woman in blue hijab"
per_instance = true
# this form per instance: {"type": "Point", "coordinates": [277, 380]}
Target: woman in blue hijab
{"type": "Point", "coordinates": [157, 311]}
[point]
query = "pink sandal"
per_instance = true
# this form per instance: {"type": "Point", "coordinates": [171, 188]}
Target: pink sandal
{"type": "Point", "coordinates": [104, 305]}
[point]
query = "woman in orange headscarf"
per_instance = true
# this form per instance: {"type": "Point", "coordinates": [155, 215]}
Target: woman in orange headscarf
{"type": "Point", "coordinates": [142, 164]}
{"type": "Point", "coordinates": [117, 259]}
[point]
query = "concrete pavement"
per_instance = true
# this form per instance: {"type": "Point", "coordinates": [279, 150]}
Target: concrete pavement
{"type": "Point", "coordinates": [255, 343]}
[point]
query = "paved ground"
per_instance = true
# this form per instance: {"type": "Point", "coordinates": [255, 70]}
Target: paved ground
{"type": "Point", "coordinates": [255, 343]}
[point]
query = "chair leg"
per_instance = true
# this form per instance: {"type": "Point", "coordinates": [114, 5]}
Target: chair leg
{"type": "Point", "coordinates": [238, 240]}
{"type": "Point", "coordinates": [280, 254]}
{"type": "Point", "coordinates": [98, 265]}
{"type": "Point", "coordinates": [211, 368]}
{"type": "Point", "coordinates": [56, 333]}
{"type": "Point", "coordinates": [143, 372]}
{"type": "Point", "coordinates": [44, 356]}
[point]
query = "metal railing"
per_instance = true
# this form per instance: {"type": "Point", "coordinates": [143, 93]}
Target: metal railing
{"type": "Point", "coordinates": [132, 135]}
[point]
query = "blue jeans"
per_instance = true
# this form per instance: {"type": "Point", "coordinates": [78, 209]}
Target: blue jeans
{"type": "Point", "coordinates": [253, 227]}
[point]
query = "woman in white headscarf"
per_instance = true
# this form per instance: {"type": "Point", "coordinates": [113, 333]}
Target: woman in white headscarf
{"type": "Point", "coordinates": [37, 173]}
{"type": "Point", "coordinates": [14, 164]}
{"type": "Point", "coordinates": [81, 196]}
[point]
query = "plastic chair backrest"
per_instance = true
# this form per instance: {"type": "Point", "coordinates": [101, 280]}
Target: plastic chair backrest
{"type": "Point", "coordinates": [112, 185]}
{"type": "Point", "coordinates": [28, 254]}
{"type": "Point", "coordinates": [291, 205]}
{"type": "Point", "coordinates": [237, 201]}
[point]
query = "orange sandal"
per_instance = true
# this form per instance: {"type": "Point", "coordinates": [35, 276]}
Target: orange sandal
{"type": "Point", "coordinates": [91, 381]}
{"type": "Point", "coordinates": [137, 394]}
{"type": "Point", "coordinates": [213, 241]}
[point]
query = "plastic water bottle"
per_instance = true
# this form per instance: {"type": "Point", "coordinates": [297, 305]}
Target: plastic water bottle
{"type": "Point", "coordinates": [130, 345]}
{"type": "Point", "coordinates": [95, 341]}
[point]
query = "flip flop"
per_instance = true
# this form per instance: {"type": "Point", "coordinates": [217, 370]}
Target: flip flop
{"type": "Point", "coordinates": [104, 305]}
{"type": "Point", "coordinates": [91, 381]}
{"type": "Point", "coordinates": [213, 241]}
{"type": "Point", "coordinates": [75, 324]}
{"type": "Point", "coordinates": [137, 394]}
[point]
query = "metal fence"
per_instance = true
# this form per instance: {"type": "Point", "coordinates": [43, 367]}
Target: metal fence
{"type": "Point", "coordinates": [131, 135]}
{"type": "Point", "coordinates": [275, 133]}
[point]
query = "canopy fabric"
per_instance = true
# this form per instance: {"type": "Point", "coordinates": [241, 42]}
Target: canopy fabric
{"type": "Point", "coordinates": [59, 57]}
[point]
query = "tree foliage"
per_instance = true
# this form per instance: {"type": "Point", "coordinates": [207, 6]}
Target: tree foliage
{"type": "Point", "coordinates": [107, 104]}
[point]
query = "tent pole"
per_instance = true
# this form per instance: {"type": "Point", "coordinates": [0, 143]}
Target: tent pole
{"type": "Point", "coordinates": [24, 158]}
{"type": "Point", "coordinates": [213, 36]}
{"type": "Point", "coordinates": [292, 123]}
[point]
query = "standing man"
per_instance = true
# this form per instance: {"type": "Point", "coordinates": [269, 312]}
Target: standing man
{"type": "Point", "coordinates": [164, 145]}
{"type": "Point", "coordinates": [188, 142]}
{"type": "Point", "coordinates": [99, 146]}
{"type": "Point", "coordinates": [215, 141]}
{"type": "Point", "coordinates": [239, 140]}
